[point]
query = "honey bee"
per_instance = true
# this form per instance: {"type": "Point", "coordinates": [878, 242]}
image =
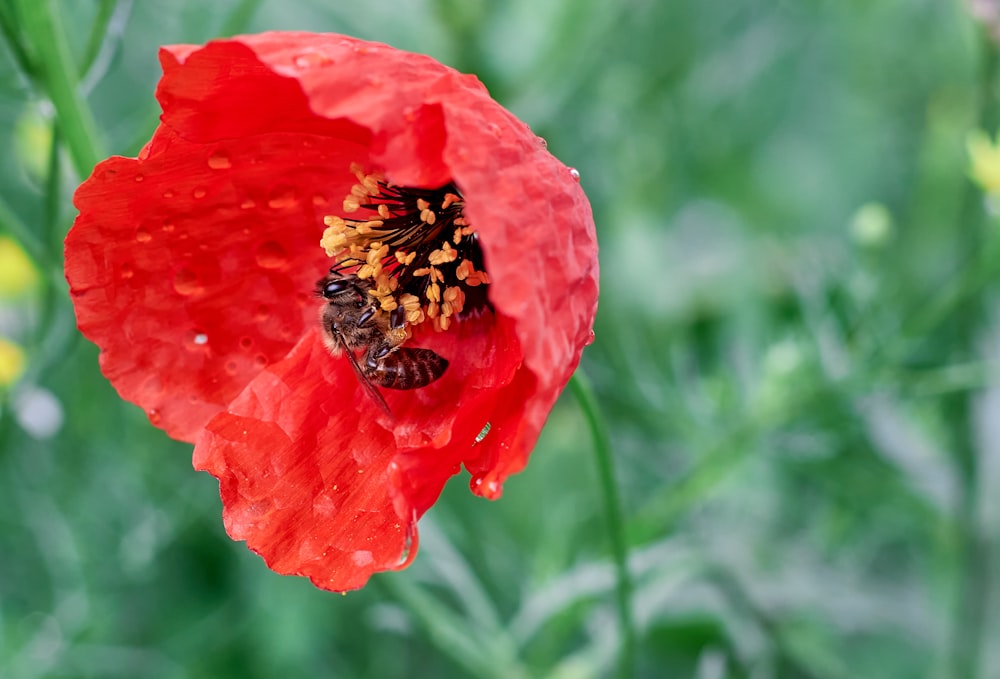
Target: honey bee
{"type": "Point", "coordinates": [353, 321]}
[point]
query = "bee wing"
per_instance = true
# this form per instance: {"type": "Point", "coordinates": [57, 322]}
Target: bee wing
{"type": "Point", "coordinates": [369, 387]}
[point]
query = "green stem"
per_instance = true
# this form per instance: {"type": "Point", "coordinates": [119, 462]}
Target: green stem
{"type": "Point", "coordinates": [966, 318]}
{"type": "Point", "coordinates": [105, 8]}
{"type": "Point", "coordinates": [449, 634]}
{"type": "Point", "coordinates": [584, 395]}
{"type": "Point", "coordinates": [36, 248]}
{"type": "Point", "coordinates": [58, 76]}
{"type": "Point", "coordinates": [8, 26]}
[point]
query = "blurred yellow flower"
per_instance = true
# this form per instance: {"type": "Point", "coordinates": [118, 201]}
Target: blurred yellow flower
{"type": "Point", "coordinates": [985, 156]}
{"type": "Point", "coordinates": [12, 362]}
{"type": "Point", "coordinates": [17, 272]}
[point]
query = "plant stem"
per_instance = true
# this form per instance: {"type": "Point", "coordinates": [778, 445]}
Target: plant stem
{"type": "Point", "coordinates": [584, 395]}
{"type": "Point", "coordinates": [449, 634]}
{"type": "Point", "coordinates": [969, 622]}
{"type": "Point", "coordinates": [58, 77]}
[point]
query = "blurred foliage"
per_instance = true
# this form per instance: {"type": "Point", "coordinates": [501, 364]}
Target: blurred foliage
{"type": "Point", "coordinates": [796, 360]}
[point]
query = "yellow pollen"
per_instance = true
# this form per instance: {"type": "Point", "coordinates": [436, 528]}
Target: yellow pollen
{"type": "Point", "coordinates": [444, 255]}
{"type": "Point", "coordinates": [383, 245]}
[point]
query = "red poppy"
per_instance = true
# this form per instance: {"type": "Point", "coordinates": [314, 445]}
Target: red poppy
{"type": "Point", "coordinates": [194, 268]}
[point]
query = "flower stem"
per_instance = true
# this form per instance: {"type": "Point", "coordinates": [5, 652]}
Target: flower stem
{"type": "Point", "coordinates": [584, 395]}
{"type": "Point", "coordinates": [58, 78]}
{"type": "Point", "coordinates": [966, 318]}
{"type": "Point", "coordinates": [451, 635]}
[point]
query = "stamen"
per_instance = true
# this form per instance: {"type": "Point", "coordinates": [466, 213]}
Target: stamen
{"type": "Point", "coordinates": [415, 245]}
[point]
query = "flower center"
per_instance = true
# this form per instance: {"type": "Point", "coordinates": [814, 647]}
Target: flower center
{"type": "Point", "coordinates": [415, 246]}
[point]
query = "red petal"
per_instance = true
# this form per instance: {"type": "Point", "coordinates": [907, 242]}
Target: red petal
{"type": "Point", "coordinates": [309, 485]}
{"type": "Point", "coordinates": [535, 222]}
{"type": "Point", "coordinates": [192, 268]}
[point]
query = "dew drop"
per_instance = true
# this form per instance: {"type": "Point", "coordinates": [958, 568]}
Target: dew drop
{"type": "Point", "coordinates": [246, 342]}
{"type": "Point", "coordinates": [362, 558]}
{"type": "Point", "coordinates": [199, 192]}
{"type": "Point", "coordinates": [231, 367]}
{"type": "Point", "coordinates": [283, 197]}
{"type": "Point", "coordinates": [139, 177]}
{"type": "Point", "coordinates": [142, 235]}
{"type": "Point", "coordinates": [311, 60]}
{"type": "Point", "coordinates": [154, 416]}
{"type": "Point", "coordinates": [126, 271]}
{"type": "Point", "coordinates": [270, 255]}
{"type": "Point", "coordinates": [590, 339]}
{"type": "Point", "coordinates": [410, 546]}
{"type": "Point", "coordinates": [186, 282]}
{"type": "Point", "coordinates": [260, 360]}
{"type": "Point", "coordinates": [248, 204]}
{"type": "Point", "coordinates": [542, 142]}
{"type": "Point", "coordinates": [262, 313]}
{"type": "Point", "coordinates": [219, 161]}
{"type": "Point", "coordinates": [196, 340]}
{"type": "Point", "coordinates": [168, 194]}
{"type": "Point", "coordinates": [168, 227]}
{"type": "Point", "coordinates": [575, 174]}
{"type": "Point", "coordinates": [490, 490]}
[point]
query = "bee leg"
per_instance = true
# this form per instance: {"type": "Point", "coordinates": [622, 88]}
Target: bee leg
{"type": "Point", "coordinates": [366, 316]}
{"type": "Point", "coordinates": [397, 318]}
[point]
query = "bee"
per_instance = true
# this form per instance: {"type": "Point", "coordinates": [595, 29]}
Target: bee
{"type": "Point", "coordinates": [353, 321]}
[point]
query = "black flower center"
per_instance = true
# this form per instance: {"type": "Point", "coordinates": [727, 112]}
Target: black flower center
{"type": "Point", "coordinates": [414, 245]}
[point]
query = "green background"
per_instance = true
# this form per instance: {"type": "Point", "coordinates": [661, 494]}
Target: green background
{"type": "Point", "coordinates": [796, 358]}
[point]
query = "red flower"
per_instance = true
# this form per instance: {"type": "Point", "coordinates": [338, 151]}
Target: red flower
{"type": "Point", "coordinates": [194, 269]}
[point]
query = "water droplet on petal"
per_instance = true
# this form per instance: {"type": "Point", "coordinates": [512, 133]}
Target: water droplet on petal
{"type": "Point", "coordinates": [283, 197]}
{"type": "Point", "coordinates": [260, 361]}
{"type": "Point", "coordinates": [575, 174]}
{"type": "Point", "coordinates": [490, 490]}
{"type": "Point", "coordinates": [270, 255]}
{"type": "Point", "coordinates": [246, 342]}
{"type": "Point", "coordinates": [199, 192]}
{"type": "Point", "coordinates": [126, 271]}
{"type": "Point", "coordinates": [168, 194]}
{"type": "Point", "coordinates": [196, 340]}
{"type": "Point", "coordinates": [311, 60]}
{"type": "Point", "coordinates": [139, 177]}
{"type": "Point", "coordinates": [142, 235]}
{"type": "Point", "coordinates": [248, 204]}
{"type": "Point", "coordinates": [410, 546]}
{"type": "Point", "coordinates": [262, 313]}
{"type": "Point", "coordinates": [154, 416]}
{"type": "Point", "coordinates": [186, 282]}
{"type": "Point", "coordinates": [168, 227]}
{"type": "Point", "coordinates": [219, 161]}
{"type": "Point", "coordinates": [231, 367]}
{"type": "Point", "coordinates": [590, 339]}
{"type": "Point", "coordinates": [542, 142]}
{"type": "Point", "coordinates": [362, 558]}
